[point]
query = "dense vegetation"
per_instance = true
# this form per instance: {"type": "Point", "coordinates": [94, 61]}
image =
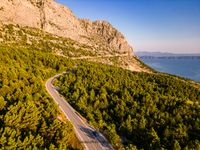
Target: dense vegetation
{"type": "Point", "coordinates": [134, 110]}
{"type": "Point", "coordinates": [139, 110]}
{"type": "Point", "coordinates": [28, 117]}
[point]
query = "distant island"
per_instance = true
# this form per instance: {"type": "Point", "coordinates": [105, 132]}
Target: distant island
{"type": "Point", "coordinates": [185, 65]}
{"type": "Point", "coordinates": [166, 54]}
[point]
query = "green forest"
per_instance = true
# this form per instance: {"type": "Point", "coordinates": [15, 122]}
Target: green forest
{"type": "Point", "coordinates": [28, 116]}
{"type": "Point", "coordinates": [135, 110]}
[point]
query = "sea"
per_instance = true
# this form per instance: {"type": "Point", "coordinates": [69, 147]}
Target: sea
{"type": "Point", "coordinates": [184, 66]}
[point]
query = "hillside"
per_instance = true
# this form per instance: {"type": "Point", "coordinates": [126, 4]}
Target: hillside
{"type": "Point", "coordinates": [28, 117]}
{"type": "Point", "coordinates": [65, 47]}
{"type": "Point", "coordinates": [98, 38]}
{"type": "Point", "coordinates": [59, 20]}
{"type": "Point", "coordinates": [134, 106]}
{"type": "Point", "coordinates": [138, 111]}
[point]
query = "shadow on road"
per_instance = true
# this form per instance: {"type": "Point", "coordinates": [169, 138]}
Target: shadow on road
{"type": "Point", "coordinates": [95, 136]}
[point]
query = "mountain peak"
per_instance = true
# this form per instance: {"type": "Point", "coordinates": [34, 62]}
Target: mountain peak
{"type": "Point", "coordinates": [57, 19]}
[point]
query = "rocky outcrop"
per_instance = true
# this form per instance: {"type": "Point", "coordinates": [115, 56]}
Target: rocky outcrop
{"type": "Point", "coordinates": [104, 32]}
{"type": "Point", "coordinates": [59, 20]}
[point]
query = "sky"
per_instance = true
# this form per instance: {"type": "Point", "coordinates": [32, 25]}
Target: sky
{"type": "Point", "coordinates": [148, 25]}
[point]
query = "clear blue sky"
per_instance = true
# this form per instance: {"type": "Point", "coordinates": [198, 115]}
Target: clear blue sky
{"type": "Point", "coordinates": [149, 25]}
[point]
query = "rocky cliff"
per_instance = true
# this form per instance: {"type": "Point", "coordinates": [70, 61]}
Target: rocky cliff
{"type": "Point", "coordinates": [59, 20]}
{"type": "Point", "coordinates": [103, 32]}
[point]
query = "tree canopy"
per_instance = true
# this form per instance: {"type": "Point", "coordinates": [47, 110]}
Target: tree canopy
{"type": "Point", "coordinates": [28, 116]}
{"type": "Point", "coordinates": [147, 111]}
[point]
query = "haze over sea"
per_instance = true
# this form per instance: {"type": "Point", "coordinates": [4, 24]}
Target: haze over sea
{"type": "Point", "coordinates": [184, 66]}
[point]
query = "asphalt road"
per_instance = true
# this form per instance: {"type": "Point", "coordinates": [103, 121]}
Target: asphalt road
{"type": "Point", "coordinates": [88, 136]}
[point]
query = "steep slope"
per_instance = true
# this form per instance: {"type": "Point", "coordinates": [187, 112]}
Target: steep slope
{"type": "Point", "coordinates": [59, 20]}
{"type": "Point", "coordinates": [43, 14]}
{"type": "Point", "coordinates": [103, 35]}
{"type": "Point", "coordinates": [135, 110]}
{"type": "Point", "coordinates": [149, 111]}
{"type": "Point", "coordinates": [28, 117]}
{"type": "Point", "coordinates": [47, 15]}
{"type": "Point", "coordinates": [46, 42]}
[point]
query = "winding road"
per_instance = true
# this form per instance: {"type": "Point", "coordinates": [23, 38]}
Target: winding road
{"type": "Point", "coordinates": [94, 57]}
{"type": "Point", "coordinates": [88, 136]}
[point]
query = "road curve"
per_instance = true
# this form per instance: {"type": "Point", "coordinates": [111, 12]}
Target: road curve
{"type": "Point", "coordinates": [93, 57]}
{"type": "Point", "coordinates": [88, 136]}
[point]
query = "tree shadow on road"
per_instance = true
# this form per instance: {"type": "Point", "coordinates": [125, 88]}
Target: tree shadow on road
{"type": "Point", "coordinates": [95, 136]}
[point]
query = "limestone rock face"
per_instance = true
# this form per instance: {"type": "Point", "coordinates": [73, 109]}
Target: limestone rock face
{"type": "Point", "coordinates": [106, 33]}
{"type": "Point", "coordinates": [19, 12]}
{"type": "Point", "coordinates": [59, 20]}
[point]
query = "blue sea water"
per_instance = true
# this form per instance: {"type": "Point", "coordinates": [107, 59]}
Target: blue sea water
{"type": "Point", "coordinates": [187, 67]}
